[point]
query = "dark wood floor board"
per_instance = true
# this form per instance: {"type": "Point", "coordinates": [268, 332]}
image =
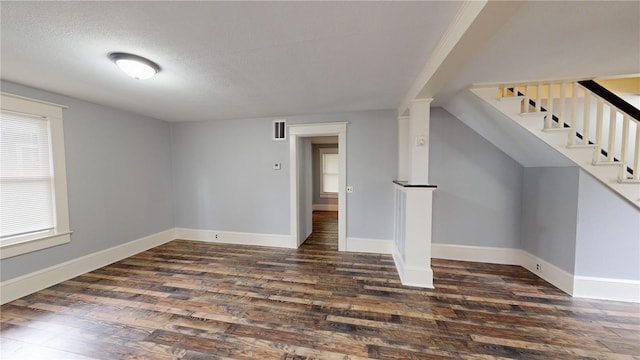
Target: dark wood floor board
{"type": "Point", "coordinates": [219, 344]}
{"type": "Point", "coordinates": [318, 342]}
{"type": "Point", "coordinates": [198, 300]}
{"type": "Point", "coordinates": [552, 351]}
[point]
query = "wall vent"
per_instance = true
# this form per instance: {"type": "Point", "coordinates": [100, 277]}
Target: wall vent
{"type": "Point", "coordinates": [279, 130]}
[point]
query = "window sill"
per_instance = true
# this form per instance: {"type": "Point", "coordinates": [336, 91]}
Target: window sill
{"type": "Point", "coordinates": [29, 244]}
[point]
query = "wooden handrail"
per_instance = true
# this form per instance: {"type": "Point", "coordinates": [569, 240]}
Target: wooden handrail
{"type": "Point", "coordinates": [612, 98]}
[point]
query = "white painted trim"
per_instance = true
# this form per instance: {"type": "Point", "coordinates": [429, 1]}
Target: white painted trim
{"type": "Point", "coordinates": [24, 98]}
{"type": "Point", "coordinates": [33, 244]}
{"type": "Point", "coordinates": [26, 284]}
{"type": "Point", "coordinates": [403, 148]}
{"type": "Point", "coordinates": [412, 276]}
{"type": "Point", "coordinates": [578, 286]}
{"type": "Point", "coordinates": [325, 207]}
{"type": "Point", "coordinates": [317, 129]}
{"type": "Point", "coordinates": [574, 285]}
{"type": "Point", "coordinates": [374, 246]}
{"type": "Point", "coordinates": [523, 82]}
{"type": "Point", "coordinates": [53, 113]}
{"type": "Point", "coordinates": [338, 129]}
{"type": "Point", "coordinates": [606, 289]}
{"type": "Point", "coordinates": [492, 255]}
{"type": "Point", "coordinates": [232, 237]}
{"type": "Point", "coordinates": [506, 256]}
{"type": "Point", "coordinates": [467, 13]}
{"type": "Point", "coordinates": [558, 277]}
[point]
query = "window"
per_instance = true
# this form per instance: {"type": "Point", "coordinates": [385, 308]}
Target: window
{"type": "Point", "coordinates": [329, 174]}
{"type": "Point", "coordinates": [33, 191]}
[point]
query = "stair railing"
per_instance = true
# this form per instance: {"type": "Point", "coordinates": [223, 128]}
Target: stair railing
{"type": "Point", "coordinates": [593, 117]}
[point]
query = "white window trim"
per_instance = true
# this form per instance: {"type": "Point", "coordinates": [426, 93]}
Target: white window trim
{"type": "Point", "coordinates": [321, 152]}
{"type": "Point", "coordinates": [61, 234]}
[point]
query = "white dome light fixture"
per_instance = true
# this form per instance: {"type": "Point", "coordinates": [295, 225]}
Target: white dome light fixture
{"type": "Point", "coordinates": [135, 66]}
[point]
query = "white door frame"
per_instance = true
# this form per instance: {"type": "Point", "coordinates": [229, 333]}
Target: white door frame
{"type": "Point", "coordinates": [311, 130]}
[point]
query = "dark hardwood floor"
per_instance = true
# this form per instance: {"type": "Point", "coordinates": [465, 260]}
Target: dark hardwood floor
{"type": "Point", "coordinates": [194, 300]}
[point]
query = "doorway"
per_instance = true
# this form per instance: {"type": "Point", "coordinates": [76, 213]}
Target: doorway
{"type": "Point", "coordinates": [300, 180]}
{"type": "Point", "coordinates": [324, 193]}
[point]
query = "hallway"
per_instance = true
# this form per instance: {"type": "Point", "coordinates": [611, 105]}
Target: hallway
{"type": "Point", "coordinates": [325, 232]}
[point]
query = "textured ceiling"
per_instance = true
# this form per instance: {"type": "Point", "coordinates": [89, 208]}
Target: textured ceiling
{"type": "Point", "coordinates": [228, 60]}
{"type": "Point", "coordinates": [224, 60]}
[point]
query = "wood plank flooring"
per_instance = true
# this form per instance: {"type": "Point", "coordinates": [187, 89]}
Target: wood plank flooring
{"type": "Point", "coordinates": [194, 300]}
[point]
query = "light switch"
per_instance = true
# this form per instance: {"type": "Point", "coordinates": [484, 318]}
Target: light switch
{"type": "Point", "coordinates": [277, 166]}
{"type": "Point", "coordinates": [349, 189]}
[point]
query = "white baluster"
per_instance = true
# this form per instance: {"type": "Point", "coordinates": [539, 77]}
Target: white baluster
{"type": "Point", "coordinates": [623, 148]}
{"type": "Point", "coordinates": [612, 132]}
{"type": "Point", "coordinates": [538, 97]}
{"type": "Point", "coordinates": [525, 101]}
{"type": "Point", "coordinates": [636, 156]}
{"type": "Point", "coordinates": [548, 119]}
{"type": "Point", "coordinates": [563, 94]}
{"type": "Point", "coordinates": [585, 120]}
{"type": "Point", "coordinates": [598, 141]}
{"type": "Point", "coordinates": [572, 119]}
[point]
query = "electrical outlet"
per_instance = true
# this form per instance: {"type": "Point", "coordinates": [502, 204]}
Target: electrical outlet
{"type": "Point", "coordinates": [538, 267]}
{"type": "Point", "coordinates": [216, 236]}
{"type": "Point", "coordinates": [349, 189]}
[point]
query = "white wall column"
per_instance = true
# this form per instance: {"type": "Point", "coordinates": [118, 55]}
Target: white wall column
{"type": "Point", "coordinates": [412, 238]}
{"type": "Point", "coordinates": [414, 198]}
{"type": "Point", "coordinates": [403, 148]}
{"type": "Point", "coordinates": [419, 116]}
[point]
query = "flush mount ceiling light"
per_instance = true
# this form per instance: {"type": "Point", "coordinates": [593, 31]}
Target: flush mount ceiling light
{"type": "Point", "coordinates": [135, 66]}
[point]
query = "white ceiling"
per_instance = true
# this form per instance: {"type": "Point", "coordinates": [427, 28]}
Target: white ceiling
{"type": "Point", "coordinates": [224, 60]}
{"type": "Point", "coordinates": [557, 40]}
{"type": "Point", "coordinates": [228, 60]}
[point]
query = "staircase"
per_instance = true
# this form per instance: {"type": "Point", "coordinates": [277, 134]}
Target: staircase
{"type": "Point", "coordinates": [589, 125]}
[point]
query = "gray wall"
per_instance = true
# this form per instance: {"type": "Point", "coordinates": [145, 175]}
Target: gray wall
{"type": "Point", "coordinates": [317, 172]}
{"type": "Point", "coordinates": [608, 233]}
{"type": "Point", "coordinates": [479, 197]}
{"type": "Point", "coordinates": [118, 180]}
{"type": "Point", "coordinates": [223, 178]}
{"type": "Point", "coordinates": [549, 214]}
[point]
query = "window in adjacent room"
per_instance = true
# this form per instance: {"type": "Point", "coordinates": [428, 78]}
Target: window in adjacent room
{"type": "Point", "coordinates": [329, 175]}
{"type": "Point", "coordinates": [33, 190]}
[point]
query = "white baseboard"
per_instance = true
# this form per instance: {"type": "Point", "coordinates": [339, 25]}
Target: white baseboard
{"type": "Point", "coordinates": [237, 238]}
{"type": "Point", "coordinates": [492, 255]}
{"type": "Point", "coordinates": [556, 276]}
{"type": "Point", "coordinates": [577, 286]}
{"type": "Point", "coordinates": [606, 289]}
{"type": "Point", "coordinates": [27, 284]}
{"type": "Point", "coordinates": [325, 207]}
{"type": "Point", "coordinates": [376, 246]}
{"type": "Point", "coordinates": [412, 276]}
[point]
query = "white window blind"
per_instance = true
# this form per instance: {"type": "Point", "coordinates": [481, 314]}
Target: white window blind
{"type": "Point", "coordinates": [26, 175]}
{"type": "Point", "coordinates": [330, 173]}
